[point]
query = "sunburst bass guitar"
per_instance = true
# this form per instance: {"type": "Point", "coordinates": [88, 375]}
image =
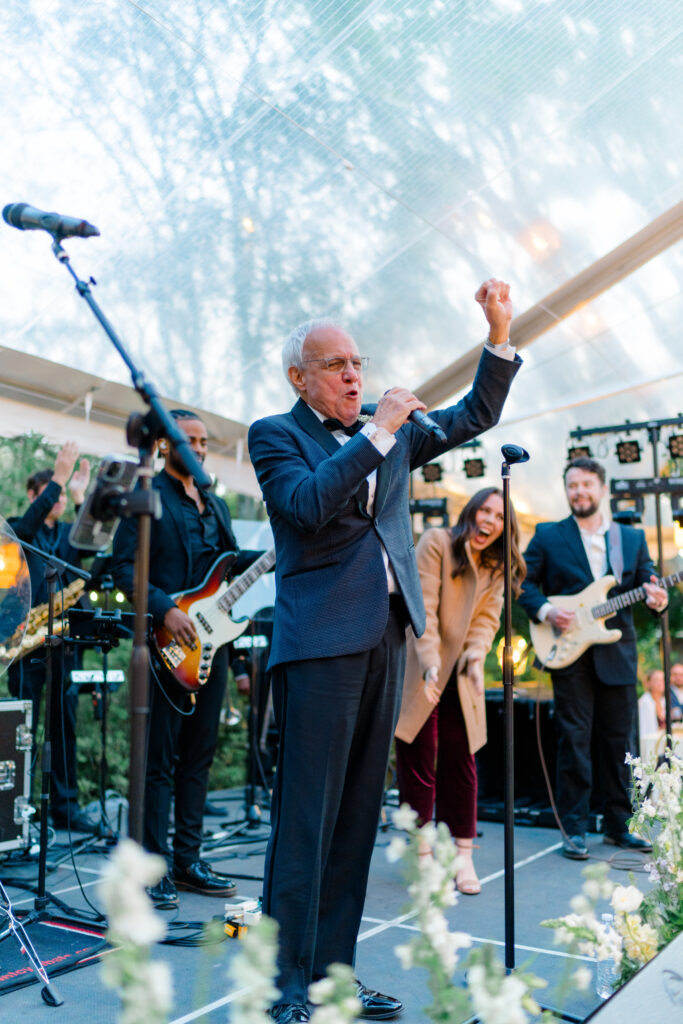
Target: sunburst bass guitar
{"type": "Point", "coordinates": [209, 605]}
{"type": "Point", "coordinates": [555, 649]}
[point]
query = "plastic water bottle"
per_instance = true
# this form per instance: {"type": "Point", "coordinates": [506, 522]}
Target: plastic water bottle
{"type": "Point", "coordinates": [605, 970]}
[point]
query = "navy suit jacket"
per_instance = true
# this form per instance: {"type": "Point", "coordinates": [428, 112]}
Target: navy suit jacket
{"type": "Point", "coordinates": [557, 564]}
{"type": "Point", "coordinates": [331, 589]}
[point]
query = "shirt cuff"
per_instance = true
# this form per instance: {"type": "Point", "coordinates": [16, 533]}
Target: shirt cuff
{"type": "Point", "coordinates": [381, 438]}
{"type": "Point", "coordinates": [506, 351]}
{"type": "Point", "coordinates": [542, 613]}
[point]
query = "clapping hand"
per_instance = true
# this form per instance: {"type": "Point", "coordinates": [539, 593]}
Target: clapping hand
{"type": "Point", "coordinates": [78, 484]}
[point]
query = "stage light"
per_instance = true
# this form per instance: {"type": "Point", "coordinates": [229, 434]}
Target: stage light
{"type": "Point", "coordinates": [628, 451]}
{"type": "Point", "coordinates": [676, 446]}
{"type": "Point", "coordinates": [119, 597]}
{"type": "Point", "coordinates": [676, 510]}
{"type": "Point", "coordinates": [94, 596]}
{"type": "Point", "coordinates": [474, 468]}
{"type": "Point", "coordinates": [627, 511]}
{"type": "Point", "coordinates": [430, 509]}
{"type": "Point", "coordinates": [431, 473]}
{"type": "Point", "coordinates": [520, 653]}
{"type": "Point", "coordinates": [579, 451]}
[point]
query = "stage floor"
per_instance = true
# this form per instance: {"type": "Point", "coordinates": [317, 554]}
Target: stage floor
{"type": "Point", "coordinates": [544, 884]}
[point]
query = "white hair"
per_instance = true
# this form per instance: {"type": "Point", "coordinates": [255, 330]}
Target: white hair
{"type": "Point", "coordinates": [293, 348]}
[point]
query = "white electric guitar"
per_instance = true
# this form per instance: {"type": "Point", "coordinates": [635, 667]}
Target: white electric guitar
{"type": "Point", "coordinates": [555, 649]}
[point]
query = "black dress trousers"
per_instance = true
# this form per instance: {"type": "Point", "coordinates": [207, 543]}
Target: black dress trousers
{"type": "Point", "coordinates": [584, 705]}
{"type": "Point", "coordinates": [180, 748]}
{"type": "Point", "coordinates": [336, 718]}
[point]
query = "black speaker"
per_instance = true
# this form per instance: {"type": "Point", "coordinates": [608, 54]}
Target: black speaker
{"type": "Point", "coordinates": [532, 806]}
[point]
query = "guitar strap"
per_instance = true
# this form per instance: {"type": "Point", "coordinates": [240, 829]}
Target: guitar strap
{"type": "Point", "coordinates": [615, 551]}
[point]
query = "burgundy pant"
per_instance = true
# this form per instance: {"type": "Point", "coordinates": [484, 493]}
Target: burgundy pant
{"type": "Point", "coordinates": [437, 769]}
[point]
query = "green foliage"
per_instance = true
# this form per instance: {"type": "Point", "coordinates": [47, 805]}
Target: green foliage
{"type": "Point", "coordinates": [229, 764]}
{"type": "Point", "coordinates": [19, 457]}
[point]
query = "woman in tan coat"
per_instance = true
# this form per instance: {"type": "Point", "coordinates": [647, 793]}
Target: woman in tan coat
{"type": "Point", "coordinates": [461, 571]}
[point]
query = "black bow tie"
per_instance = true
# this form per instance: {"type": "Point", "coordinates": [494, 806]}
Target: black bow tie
{"type": "Point", "coordinates": [333, 424]}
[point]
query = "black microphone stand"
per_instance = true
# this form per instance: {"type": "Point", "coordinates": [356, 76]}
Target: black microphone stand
{"type": "Point", "coordinates": [512, 454]}
{"type": "Point", "coordinates": [142, 432]}
{"type": "Point", "coordinates": [54, 566]}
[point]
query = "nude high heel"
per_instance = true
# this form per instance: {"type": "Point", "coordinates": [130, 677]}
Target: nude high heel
{"type": "Point", "coordinates": [466, 880]}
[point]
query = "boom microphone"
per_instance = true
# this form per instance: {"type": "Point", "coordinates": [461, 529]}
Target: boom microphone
{"type": "Point", "coordinates": [426, 423]}
{"type": "Point", "coordinates": [28, 218]}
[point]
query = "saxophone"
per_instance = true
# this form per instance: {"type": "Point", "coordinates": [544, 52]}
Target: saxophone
{"type": "Point", "coordinates": [36, 624]}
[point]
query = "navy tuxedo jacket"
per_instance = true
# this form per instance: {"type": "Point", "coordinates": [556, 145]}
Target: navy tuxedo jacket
{"type": "Point", "coordinates": [331, 584]}
{"type": "Point", "coordinates": [557, 564]}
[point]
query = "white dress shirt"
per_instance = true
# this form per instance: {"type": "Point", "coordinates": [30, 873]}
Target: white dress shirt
{"type": "Point", "coordinates": [595, 546]}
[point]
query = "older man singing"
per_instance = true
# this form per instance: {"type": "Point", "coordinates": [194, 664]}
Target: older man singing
{"type": "Point", "coordinates": [336, 489]}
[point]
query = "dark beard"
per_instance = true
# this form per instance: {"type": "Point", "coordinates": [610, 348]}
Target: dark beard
{"type": "Point", "coordinates": [585, 513]}
{"type": "Point", "coordinates": [178, 465]}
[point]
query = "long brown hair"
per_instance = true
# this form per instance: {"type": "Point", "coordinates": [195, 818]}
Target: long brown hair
{"type": "Point", "coordinates": [492, 556]}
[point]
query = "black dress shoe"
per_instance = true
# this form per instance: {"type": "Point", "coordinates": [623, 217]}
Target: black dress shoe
{"type": "Point", "coordinates": [77, 821]}
{"type": "Point", "coordinates": [627, 841]}
{"type": "Point", "coordinates": [575, 848]}
{"type": "Point", "coordinates": [199, 877]}
{"type": "Point", "coordinates": [289, 1013]}
{"type": "Point", "coordinates": [163, 894]}
{"type": "Point", "coordinates": [212, 810]}
{"type": "Point", "coordinates": [376, 1006]}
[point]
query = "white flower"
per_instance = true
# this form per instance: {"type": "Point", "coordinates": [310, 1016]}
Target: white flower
{"type": "Point", "coordinates": [405, 818]}
{"type": "Point", "coordinates": [626, 899]}
{"type": "Point", "coordinates": [503, 1006]}
{"type": "Point", "coordinates": [592, 889]}
{"type": "Point", "coordinates": [253, 970]}
{"type": "Point", "coordinates": [580, 904]}
{"type": "Point", "coordinates": [429, 834]}
{"type": "Point", "coordinates": [396, 848]}
{"type": "Point", "coordinates": [405, 955]}
{"type": "Point", "coordinates": [321, 990]}
{"type": "Point", "coordinates": [132, 918]}
{"type": "Point", "coordinates": [582, 978]}
{"type": "Point", "coordinates": [159, 981]}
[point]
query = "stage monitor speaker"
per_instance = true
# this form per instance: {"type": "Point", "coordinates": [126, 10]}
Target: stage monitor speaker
{"type": "Point", "coordinates": [531, 797]}
{"type": "Point", "coordinates": [16, 745]}
{"type": "Point", "coordinates": [653, 996]}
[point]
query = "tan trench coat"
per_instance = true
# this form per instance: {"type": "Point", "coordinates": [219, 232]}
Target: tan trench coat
{"type": "Point", "coordinates": [463, 615]}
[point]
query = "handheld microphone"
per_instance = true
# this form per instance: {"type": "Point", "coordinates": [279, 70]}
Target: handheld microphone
{"type": "Point", "coordinates": [426, 423]}
{"type": "Point", "coordinates": [513, 453]}
{"type": "Point", "coordinates": [28, 218]}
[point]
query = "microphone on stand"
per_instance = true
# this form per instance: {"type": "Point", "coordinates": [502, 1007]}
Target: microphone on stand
{"type": "Point", "coordinates": [28, 218]}
{"type": "Point", "coordinates": [513, 453]}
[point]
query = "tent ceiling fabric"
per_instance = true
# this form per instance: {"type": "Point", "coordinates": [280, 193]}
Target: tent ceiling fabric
{"type": "Point", "coordinates": [252, 164]}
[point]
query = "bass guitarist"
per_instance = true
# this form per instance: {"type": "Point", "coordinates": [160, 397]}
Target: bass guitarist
{"type": "Point", "coordinates": [598, 691]}
{"type": "Point", "coordinates": [194, 530]}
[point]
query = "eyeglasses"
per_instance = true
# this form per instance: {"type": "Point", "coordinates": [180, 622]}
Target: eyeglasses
{"type": "Point", "coordinates": [337, 364]}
